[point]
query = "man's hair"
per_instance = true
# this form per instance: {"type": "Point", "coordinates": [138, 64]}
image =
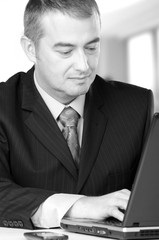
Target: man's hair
{"type": "Point", "coordinates": [35, 9]}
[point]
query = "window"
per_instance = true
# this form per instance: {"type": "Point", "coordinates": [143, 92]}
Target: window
{"type": "Point", "coordinates": [141, 61]}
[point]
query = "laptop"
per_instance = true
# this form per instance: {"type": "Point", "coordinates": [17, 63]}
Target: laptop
{"type": "Point", "coordinates": [141, 219]}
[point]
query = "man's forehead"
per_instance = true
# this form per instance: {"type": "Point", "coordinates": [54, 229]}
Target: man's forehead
{"type": "Point", "coordinates": [56, 17]}
{"type": "Point", "coordinates": [65, 30]}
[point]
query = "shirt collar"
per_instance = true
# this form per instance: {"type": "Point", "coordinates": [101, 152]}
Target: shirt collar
{"type": "Point", "coordinates": [56, 107]}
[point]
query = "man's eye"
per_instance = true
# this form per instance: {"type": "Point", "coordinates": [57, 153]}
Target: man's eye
{"type": "Point", "coordinates": [65, 53]}
{"type": "Point", "coordinates": [91, 49]}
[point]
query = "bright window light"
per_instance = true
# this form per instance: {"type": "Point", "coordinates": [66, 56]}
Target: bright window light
{"type": "Point", "coordinates": [141, 61]}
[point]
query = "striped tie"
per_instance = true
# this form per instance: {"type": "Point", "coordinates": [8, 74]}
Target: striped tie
{"type": "Point", "coordinates": [69, 119]}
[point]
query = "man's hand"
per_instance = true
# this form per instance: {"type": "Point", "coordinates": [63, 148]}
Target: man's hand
{"type": "Point", "coordinates": [99, 208]}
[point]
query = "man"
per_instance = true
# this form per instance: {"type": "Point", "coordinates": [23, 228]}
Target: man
{"type": "Point", "coordinates": [40, 181]}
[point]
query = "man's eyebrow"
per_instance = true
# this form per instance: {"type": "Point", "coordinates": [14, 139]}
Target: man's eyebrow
{"type": "Point", "coordinates": [96, 40]}
{"type": "Point", "coordinates": [65, 44]}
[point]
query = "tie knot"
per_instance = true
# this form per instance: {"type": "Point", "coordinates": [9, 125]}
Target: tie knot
{"type": "Point", "coordinates": [69, 117]}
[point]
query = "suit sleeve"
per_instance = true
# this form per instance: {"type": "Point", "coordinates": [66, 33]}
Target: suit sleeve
{"type": "Point", "coordinates": [16, 203]}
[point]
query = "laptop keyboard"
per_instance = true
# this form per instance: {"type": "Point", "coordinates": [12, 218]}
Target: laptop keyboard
{"type": "Point", "coordinates": [111, 221]}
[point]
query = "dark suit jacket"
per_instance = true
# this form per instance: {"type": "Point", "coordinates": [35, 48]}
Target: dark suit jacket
{"type": "Point", "coordinates": [35, 161]}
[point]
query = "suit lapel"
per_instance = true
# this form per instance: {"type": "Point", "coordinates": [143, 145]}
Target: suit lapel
{"type": "Point", "coordinates": [95, 123]}
{"type": "Point", "coordinates": [40, 121]}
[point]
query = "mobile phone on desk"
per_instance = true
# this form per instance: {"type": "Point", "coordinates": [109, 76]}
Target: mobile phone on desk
{"type": "Point", "coordinates": [44, 235]}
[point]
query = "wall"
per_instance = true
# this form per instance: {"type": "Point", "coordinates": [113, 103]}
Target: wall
{"type": "Point", "coordinates": [113, 59]}
{"type": "Point", "coordinates": [12, 57]}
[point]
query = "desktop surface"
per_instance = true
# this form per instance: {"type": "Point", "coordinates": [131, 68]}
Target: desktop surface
{"type": "Point", "coordinates": [17, 234]}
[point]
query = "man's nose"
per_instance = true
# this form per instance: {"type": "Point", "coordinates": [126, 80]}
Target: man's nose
{"type": "Point", "coordinates": [81, 61]}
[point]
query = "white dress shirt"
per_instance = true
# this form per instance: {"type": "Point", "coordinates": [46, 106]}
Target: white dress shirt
{"type": "Point", "coordinates": [52, 210]}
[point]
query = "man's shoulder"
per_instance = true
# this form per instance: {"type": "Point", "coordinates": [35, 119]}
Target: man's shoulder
{"type": "Point", "coordinates": [11, 91]}
{"type": "Point", "coordinates": [14, 82]}
{"type": "Point", "coordinates": [117, 87]}
{"type": "Point", "coordinates": [121, 95]}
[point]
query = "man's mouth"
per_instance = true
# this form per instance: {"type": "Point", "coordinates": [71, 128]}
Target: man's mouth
{"type": "Point", "coordinates": [80, 77]}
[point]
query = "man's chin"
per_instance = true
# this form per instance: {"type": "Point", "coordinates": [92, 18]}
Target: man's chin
{"type": "Point", "coordinates": [79, 93]}
{"type": "Point", "coordinates": [80, 90]}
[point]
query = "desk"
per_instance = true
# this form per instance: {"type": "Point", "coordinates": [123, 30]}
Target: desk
{"type": "Point", "coordinates": [17, 234]}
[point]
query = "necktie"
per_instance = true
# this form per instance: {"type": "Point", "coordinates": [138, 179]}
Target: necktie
{"type": "Point", "coordinates": [69, 119]}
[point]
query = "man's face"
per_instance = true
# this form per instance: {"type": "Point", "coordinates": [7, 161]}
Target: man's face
{"type": "Point", "coordinates": [67, 55]}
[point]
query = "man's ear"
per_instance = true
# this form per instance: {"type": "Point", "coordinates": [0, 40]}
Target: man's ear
{"type": "Point", "coordinates": [29, 48]}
